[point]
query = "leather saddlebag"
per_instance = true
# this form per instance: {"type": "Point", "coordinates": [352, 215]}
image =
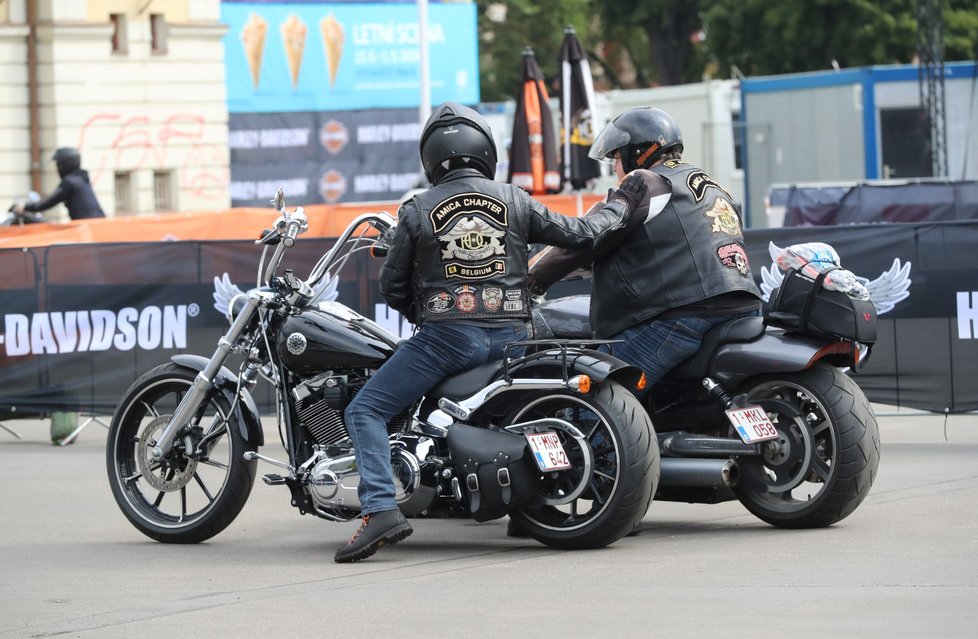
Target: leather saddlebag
{"type": "Point", "coordinates": [496, 470]}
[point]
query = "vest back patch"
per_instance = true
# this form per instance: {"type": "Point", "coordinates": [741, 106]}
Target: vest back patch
{"type": "Point", "coordinates": [471, 231]}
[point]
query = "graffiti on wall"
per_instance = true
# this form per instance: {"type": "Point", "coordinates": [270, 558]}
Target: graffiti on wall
{"type": "Point", "coordinates": [175, 142]}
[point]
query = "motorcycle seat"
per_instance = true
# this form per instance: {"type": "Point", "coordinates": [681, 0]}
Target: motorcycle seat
{"type": "Point", "coordinates": [743, 329]}
{"type": "Point", "coordinates": [468, 383]}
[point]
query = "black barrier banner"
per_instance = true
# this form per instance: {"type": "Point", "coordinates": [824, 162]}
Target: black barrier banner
{"type": "Point", "coordinates": [81, 322]}
{"type": "Point", "coordinates": [924, 282]}
{"type": "Point", "coordinates": [103, 314]}
{"type": "Point", "coordinates": [927, 353]}
{"type": "Point", "coordinates": [922, 201]}
{"type": "Point", "coordinates": [325, 157]}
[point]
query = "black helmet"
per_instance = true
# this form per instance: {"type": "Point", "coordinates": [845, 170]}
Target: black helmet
{"type": "Point", "coordinates": [67, 159]}
{"type": "Point", "coordinates": [642, 135]}
{"type": "Point", "coordinates": [454, 136]}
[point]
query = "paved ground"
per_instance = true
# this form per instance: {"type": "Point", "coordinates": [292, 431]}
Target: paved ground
{"type": "Point", "coordinates": [904, 565]}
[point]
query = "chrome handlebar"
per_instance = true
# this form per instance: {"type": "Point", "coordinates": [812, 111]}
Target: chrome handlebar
{"type": "Point", "coordinates": [290, 225]}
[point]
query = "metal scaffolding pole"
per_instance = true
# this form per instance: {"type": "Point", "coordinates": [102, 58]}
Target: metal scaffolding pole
{"type": "Point", "coordinates": [930, 52]}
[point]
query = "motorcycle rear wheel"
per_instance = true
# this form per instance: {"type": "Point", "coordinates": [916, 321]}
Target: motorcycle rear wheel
{"type": "Point", "coordinates": [620, 484]}
{"type": "Point", "coordinates": [830, 450]}
{"type": "Point", "coordinates": [182, 499]}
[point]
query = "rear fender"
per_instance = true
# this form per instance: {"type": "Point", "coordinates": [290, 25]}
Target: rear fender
{"type": "Point", "coordinates": [249, 420]}
{"type": "Point", "coordinates": [773, 352]}
{"type": "Point", "coordinates": [596, 365]}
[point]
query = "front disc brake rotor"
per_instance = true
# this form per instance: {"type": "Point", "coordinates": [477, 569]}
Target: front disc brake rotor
{"type": "Point", "coordinates": [167, 475]}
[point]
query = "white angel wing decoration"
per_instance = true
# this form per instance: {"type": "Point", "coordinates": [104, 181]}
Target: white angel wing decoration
{"type": "Point", "coordinates": [890, 287]}
{"type": "Point", "coordinates": [224, 292]}
{"type": "Point", "coordinates": [325, 291]}
{"type": "Point", "coordinates": [771, 277]}
{"type": "Point", "coordinates": [886, 291]}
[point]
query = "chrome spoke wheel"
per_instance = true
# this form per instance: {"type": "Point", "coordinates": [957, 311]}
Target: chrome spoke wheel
{"type": "Point", "coordinates": [200, 486]}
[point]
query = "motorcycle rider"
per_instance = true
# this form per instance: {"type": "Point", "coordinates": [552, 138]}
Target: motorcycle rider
{"type": "Point", "coordinates": [457, 267]}
{"type": "Point", "coordinates": [74, 190]}
{"type": "Point", "coordinates": [681, 267]}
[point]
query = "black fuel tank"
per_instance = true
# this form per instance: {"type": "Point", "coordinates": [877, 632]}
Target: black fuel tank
{"type": "Point", "coordinates": [332, 336]}
{"type": "Point", "coordinates": [564, 317]}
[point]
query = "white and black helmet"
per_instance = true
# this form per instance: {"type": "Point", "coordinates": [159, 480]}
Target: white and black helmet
{"type": "Point", "coordinates": [456, 136]}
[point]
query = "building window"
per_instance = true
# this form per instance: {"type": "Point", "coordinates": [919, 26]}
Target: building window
{"type": "Point", "coordinates": [163, 191]}
{"type": "Point", "coordinates": [123, 193]}
{"type": "Point", "coordinates": [120, 39]}
{"type": "Point", "coordinates": [158, 32]}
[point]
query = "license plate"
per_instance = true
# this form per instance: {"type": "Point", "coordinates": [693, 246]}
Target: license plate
{"type": "Point", "coordinates": [752, 424]}
{"type": "Point", "coordinates": [548, 451]}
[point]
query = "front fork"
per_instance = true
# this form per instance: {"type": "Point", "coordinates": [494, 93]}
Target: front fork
{"type": "Point", "coordinates": [192, 401]}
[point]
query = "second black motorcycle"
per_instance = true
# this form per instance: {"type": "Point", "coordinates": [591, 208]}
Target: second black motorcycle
{"type": "Point", "coordinates": [765, 411]}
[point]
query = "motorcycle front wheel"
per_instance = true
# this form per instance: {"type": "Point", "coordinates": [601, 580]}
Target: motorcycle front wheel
{"type": "Point", "coordinates": [827, 454]}
{"type": "Point", "coordinates": [615, 470]}
{"type": "Point", "coordinates": [185, 498]}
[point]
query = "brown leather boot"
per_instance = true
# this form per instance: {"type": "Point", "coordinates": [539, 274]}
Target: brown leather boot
{"type": "Point", "coordinates": [376, 529]}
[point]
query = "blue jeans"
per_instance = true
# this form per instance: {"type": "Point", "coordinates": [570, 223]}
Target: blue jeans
{"type": "Point", "coordinates": [658, 346]}
{"type": "Point", "coordinates": [438, 350]}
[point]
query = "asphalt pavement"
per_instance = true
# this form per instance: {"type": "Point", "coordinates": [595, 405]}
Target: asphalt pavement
{"type": "Point", "coordinates": [905, 564]}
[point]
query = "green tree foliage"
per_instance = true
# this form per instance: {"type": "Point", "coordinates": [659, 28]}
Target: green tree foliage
{"type": "Point", "coordinates": [660, 37]}
{"type": "Point", "coordinates": [764, 37]}
{"type": "Point", "coordinates": [641, 43]}
{"type": "Point", "coordinates": [506, 27]}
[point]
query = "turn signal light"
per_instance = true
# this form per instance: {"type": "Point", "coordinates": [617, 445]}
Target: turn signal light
{"type": "Point", "coordinates": [835, 348]}
{"type": "Point", "coordinates": [643, 381]}
{"type": "Point", "coordinates": [581, 383]}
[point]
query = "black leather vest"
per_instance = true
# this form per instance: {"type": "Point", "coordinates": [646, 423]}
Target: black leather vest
{"type": "Point", "coordinates": [471, 252]}
{"type": "Point", "coordinates": [691, 251]}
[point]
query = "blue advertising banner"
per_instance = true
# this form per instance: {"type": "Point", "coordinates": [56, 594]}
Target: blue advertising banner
{"type": "Point", "coordinates": [341, 57]}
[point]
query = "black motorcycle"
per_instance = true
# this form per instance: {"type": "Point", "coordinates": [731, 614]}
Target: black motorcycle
{"type": "Point", "coordinates": [555, 439]}
{"type": "Point", "coordinates": [13, 218]}
{"type": "Point", "coordinates": [764, 412]}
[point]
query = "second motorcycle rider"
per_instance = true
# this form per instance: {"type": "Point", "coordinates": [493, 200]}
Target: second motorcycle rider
{"type": "Point", "coordinates": [457, 267]}
{"type": "Point", "coordinates": [680, 271]}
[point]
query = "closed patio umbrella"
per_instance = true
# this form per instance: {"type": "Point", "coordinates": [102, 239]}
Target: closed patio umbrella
{"type": "Point", "coordinates": [576, 113]}
{"type": "Point", "coordinates": [533, 149]}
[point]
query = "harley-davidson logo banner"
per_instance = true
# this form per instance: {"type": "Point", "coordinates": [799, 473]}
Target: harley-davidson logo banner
{"type": "Point", "coordinates": [78, 323]}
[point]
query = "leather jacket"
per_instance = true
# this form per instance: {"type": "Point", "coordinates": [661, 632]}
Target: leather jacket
{"type": "Point", "coordinates": [459, 250]}
{"type": "Point", "coordinates": [686, 250]}
{"type": "Point", "coordinates": [77, 194]}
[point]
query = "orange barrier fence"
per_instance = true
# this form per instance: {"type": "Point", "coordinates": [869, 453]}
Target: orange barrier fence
{"type": "Point", "coordinates": [325, 220]}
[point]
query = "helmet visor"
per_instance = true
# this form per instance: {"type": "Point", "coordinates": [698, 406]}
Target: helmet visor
{"type": "Point", "coordinates": [608, 141]}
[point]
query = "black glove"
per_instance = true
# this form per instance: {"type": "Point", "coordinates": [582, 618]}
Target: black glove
{"type": "Point", "coordinates": [535, 287]}
{"type": "Point", "coordinates": [631, 192]}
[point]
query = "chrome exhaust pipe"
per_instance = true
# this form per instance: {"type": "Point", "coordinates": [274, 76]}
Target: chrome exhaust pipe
{"type": "Point", "coordinates": [698, 473]}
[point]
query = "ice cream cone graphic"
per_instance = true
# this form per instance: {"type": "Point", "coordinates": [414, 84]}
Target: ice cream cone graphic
{"type": "Point", "coordinates": [333, 37]}
{"type": "Point", "coordinates": [253, 38]}
{"type": "Point", "coordinates": [294, 40]}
